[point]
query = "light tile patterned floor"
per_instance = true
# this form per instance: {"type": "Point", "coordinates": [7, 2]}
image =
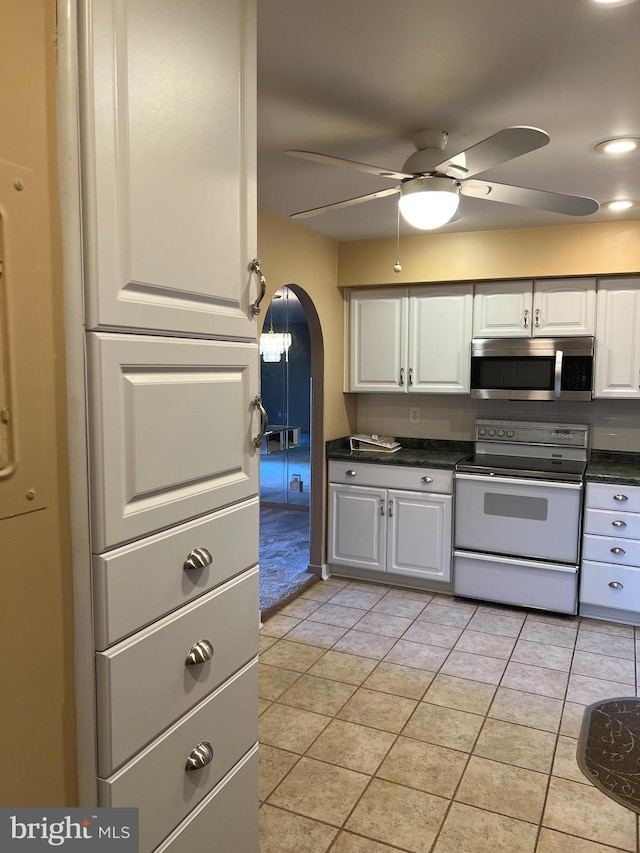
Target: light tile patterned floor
{"type": "Point", "coordinates": [395, 720]}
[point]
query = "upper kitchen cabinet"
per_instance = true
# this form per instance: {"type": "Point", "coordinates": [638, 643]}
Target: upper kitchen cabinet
{"type": "Point", "coordinates": [168, 167]}
{"type": "Point", "coordinates": [523, 309]}
{"type": "Point", "coordinates": [414, 340]}
{"type": "Point", "coordinates": [618, 338]}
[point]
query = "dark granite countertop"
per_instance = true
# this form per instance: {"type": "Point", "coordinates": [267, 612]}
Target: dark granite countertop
{"type": "Point", "coordinates": [415, 452]}
{"type": "Point", "coordinates": [608, 466]}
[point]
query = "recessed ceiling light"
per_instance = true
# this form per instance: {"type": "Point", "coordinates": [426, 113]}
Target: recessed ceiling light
{"type": "Point", "coordinates": [621, 145]}
{"type": "Point", "coordinates": [613, 2]}
{"type": "Point", "coordinates": [619, 204]}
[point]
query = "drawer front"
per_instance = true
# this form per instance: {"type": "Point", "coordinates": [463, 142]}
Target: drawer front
{"type": "Point", "coordinates": [144, 684]}
{"type": "Point", "coordinates": [619, 525]}
{"type": "Point", "coordinates": [156, 781]}
{"type": "Point", "coordinates": [226, 820]}
{"type": "Point", "coordinates": [596, 588]}
{"type": "Point", "coordinates": [139, 583]}
{"type": "Point", "coordinates": [605, 549]}
{"type": "Point", "coordinates": [391, 476]}
{"type": "Point", "coordinates": [613, 496]}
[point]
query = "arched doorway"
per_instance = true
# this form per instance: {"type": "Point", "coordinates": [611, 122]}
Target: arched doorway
{"type": "Point", "coordinates": [291, 459]}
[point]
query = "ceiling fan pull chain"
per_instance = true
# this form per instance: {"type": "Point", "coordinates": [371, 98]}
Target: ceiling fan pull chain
{"type": "Point", "coordinates": [397, 267]}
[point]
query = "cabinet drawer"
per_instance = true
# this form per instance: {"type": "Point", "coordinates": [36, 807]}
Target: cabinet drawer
{"type": "Point", "coordinates": [619, 525]}
{"type": "Point", "coordinates": [137, 584]}
{"type": "Point", "coordinates": [143, 682]}
{"type": "Point", "coordinates": [227, 819]}
{"type": "Point", "coordinates": [613, 496]}
{"type": "Point", "coordinates": [156, 781]}
{"type": "Point", "coordinates": [596, 585]}
{"type": "Point", "coordinates": [391, 476]}
{"type": "Point", "coordinates": [606, 549]}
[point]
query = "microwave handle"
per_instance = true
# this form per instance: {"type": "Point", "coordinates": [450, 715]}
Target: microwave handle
{"type": "Point", "coordinates": [557, 388]}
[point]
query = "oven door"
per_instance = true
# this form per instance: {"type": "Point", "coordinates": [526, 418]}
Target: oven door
{"type": "Point", "coordinates": [520, 517]}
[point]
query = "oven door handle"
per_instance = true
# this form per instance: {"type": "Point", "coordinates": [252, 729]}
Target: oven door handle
{"type": "Point", "coordinates": [523, 482]}
{"type": "Point", "coordinates": [557, 387]}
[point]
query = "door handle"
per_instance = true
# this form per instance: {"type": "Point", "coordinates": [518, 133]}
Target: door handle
{"type": "Point", "coordinates": [410, 376]}
{"type": "Point", "coordinates": [264, 420]}
{"type": "Point", "coordinates": [525, 318]}
{"type": "Point", "coordinates": [616, 585]}
{"type": "Point", "coordinates": [199, 558]}
{"type": "Point", "coordinates": [617, 551]}
{"type": "Point", "coordinates": [557, 387]}
{"type": "Point", "coordinates": [381, 506]}
{"type": "Point", "coordinates": [390, 509]}
{"type": "Point", "coordinates": [537, 320]}
{"type": "Point", "coordinates": [200, 652]}
{"type": "Point", "coordinates": [199, 757]}
{"type": "Point", "coordinates": [401, 382]}
{"type": "Point", "coordinates": [619, 523]}
{"type": "Point", "coordinates": [620, 498]}
{"type": "Point", "coordinates": [255, 267]}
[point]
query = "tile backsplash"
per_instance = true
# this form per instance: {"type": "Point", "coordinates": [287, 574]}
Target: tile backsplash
{"type": "Point", "coordinates": [615, 424]}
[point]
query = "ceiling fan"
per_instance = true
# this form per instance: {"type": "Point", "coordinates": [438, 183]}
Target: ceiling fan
{"type": "Point", "coordinates": [430, 187]}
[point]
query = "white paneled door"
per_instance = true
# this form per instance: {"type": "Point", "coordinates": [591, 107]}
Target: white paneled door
{"type": "Point", "coordinates": [167, 119]}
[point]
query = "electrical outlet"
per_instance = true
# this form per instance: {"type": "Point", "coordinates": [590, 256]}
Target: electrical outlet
{"type": "Point", "coordinates": [414, 415]}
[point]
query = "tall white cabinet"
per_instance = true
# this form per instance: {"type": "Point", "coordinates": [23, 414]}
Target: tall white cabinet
{"type": "Point", "coordinates": [167, 136]}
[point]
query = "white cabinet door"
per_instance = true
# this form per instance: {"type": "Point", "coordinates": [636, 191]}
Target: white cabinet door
{"type": "Point", "coordinates": [419, 535]}
{"type": "Point", "coordinates": [168, 165]}
{"type": "Point", "coordinates": [172, 423]}
{"type": "Point", "coordinates": [357, 526]}
{"type": "Point", "coordinates": [440, 339]}
{"type": "Point", "coordinates": [377, 339]}
{"type": "Point", "coordinates": [503, 309]}
{"type": "Point", "coordinates": [564, 307]}
{"type": "Point", "coordinates": [618, 338]}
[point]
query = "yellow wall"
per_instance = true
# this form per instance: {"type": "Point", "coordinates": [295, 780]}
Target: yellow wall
{"type": "Point", "coordinates": [292, 254]}
{"type": "Point", "coordinates": [37, 714]}
{"type": "Point", "coordinates": [561, 250]}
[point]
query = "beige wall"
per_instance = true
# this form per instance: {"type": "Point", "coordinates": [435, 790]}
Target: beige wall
{"type": "Point", "coordinates": [561, 250]}
{"type": "Point", "coordinates": [37, 715]}
{"type": "Point", "coordinates": [292, 254]}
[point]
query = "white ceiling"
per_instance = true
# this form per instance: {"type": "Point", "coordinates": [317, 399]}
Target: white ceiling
{"type": "Point", "coordinates": [355, 78]}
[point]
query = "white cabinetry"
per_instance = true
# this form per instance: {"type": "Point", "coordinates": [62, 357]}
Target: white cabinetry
{"type": "Point", "coordinates": [522, 309]}
{"type": "Point", "coordinates": [390, 519]}
{"type": "Point", "coordinates": [610, 586]}
{"type": "Point", "coordinates": [618, 339]}
{"type": "Point", "coordinates": [167, 159]}
{"type": "Point", "coordinates": [414, 340]}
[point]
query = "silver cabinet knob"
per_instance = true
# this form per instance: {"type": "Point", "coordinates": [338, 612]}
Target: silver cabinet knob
{"type": "Point", "coordinates": [198, 559]}
{"type": "Point", "coordinates": [199, 757]}
{"type": "Point", "coordinates": [619, 523]}
{"type": "Point", "coordinates": [350, 473]}
{"type": "Point", "coordinates": [620, 498]}
{"type": "Point", "coordinates": [616, 585]}
{"type": "Point", "coordinates": [426, 480]}
{"type": "Point", "coordinates": [617, 550]}
{"type": "Point", "coordinates": [199, 652]}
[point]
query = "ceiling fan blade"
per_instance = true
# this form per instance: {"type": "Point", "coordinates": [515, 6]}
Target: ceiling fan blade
{"type": "Point", "coordinates": [571, 205]}
{"type": "Point", "coordinates": [316, 211]}
{"type": "Point", "coordinates": [330, 160]}
{"type": "Point", "coordinates": [504, 145]}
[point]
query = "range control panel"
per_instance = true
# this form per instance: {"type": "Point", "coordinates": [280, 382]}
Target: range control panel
{"type": "Point", "coordinates": [532, 433]}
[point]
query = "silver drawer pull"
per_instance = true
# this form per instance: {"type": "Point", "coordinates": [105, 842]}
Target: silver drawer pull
{"type": "Point", "coordinates": [617, 550]}
{"type": "Point", "coordinates": [199, 757]}
{"type": "Point", "coordinates": [620, 498]}
{"type": "Point", "coordinates": [619, 523]}
{"type": "Point", "coordinates": [198, 559]}
{"type": "Point", "coordinates": [616, 585]}
{"type": "Point", "coordinates": [426, 479]}
{"type": "Point", "coordinates": [199, 652]}
{"type": "Point", "coordinates": [350, 473]}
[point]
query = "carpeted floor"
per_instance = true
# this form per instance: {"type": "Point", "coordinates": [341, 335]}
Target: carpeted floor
{"type": "Point", "coordinates": [284, 557]}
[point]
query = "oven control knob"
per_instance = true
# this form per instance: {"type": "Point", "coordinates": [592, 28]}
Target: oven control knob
{"type": "Point", "coordinates": [482, 431]}
{"type": "Point", "coordinates": [501, 432]}
{"type": "Point", "coordinates": [510, 433]}
{"type": "Point", "coordinates": [492, 432]}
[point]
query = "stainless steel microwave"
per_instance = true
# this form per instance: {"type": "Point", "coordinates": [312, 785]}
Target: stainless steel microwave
{"type": "Point", "coordinates": [532, 368]}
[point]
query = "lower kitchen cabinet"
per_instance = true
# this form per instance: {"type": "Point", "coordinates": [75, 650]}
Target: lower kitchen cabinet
{"type": "Point", "coordinates": [610, 585]}
{"type": "Point", "coordinates": [390, 521]}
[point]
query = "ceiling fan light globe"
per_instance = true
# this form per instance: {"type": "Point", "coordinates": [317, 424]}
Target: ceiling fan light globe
{"type": "Point", "coordinates": [428, 203]}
